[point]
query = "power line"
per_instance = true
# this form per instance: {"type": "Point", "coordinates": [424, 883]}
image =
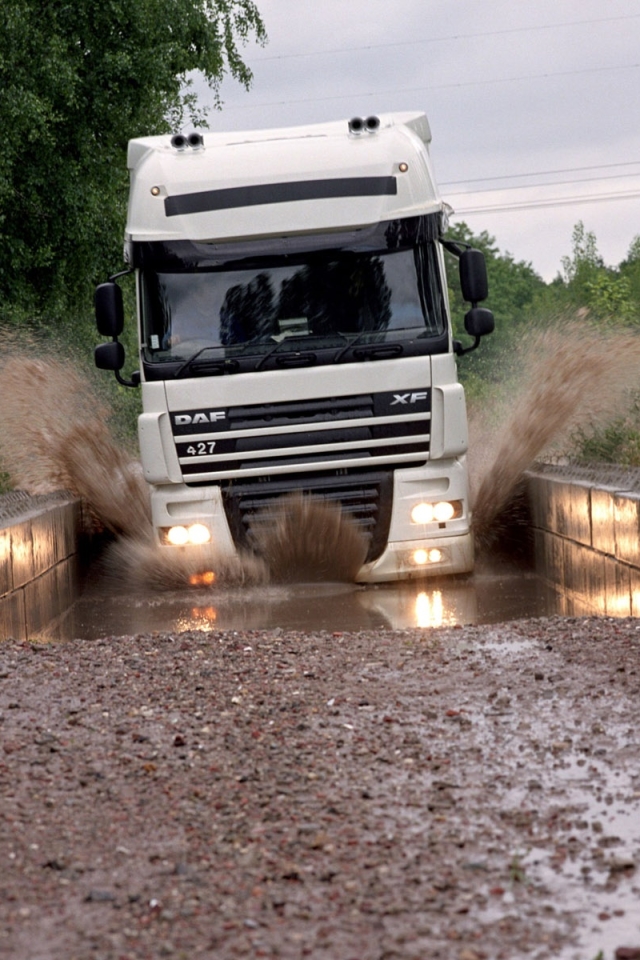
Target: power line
{"type": "Point", "coordinates": [455, 36]}
{"type": "Point", "coordinates": [541, 173]}
{"type": "Point", "coordinates": [550, 183]}
{"type": "Point", "coordinates": [533, 204]}
{"type": "Point", "coordinates": [430, 89]}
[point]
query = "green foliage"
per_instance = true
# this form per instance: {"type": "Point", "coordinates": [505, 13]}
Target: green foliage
{"type": "Point", "coordinates": [585, 259]}
{"type": "Point", "coordinates": [611, 296]}
{"type": "Point", "coordinates": [604, 296]}
{"type": "Point", "coordinates": [78, 81]}
{"type": "Point", "coordinates": [617, 442]}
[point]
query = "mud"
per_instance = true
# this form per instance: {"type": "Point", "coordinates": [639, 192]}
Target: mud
{"type": "Point", "coordinates": [455, 793]}
{"type": "Point", "coordinates": [558, 379]}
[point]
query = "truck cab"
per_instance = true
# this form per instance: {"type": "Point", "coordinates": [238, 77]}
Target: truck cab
{"type": "Point", "coordinates": [294, 336]}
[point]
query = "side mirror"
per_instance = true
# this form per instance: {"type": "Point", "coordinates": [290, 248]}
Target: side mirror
{"type": "Point", "coordinates": [109, 311]}
{"type": "Point", "coordinates": [109, 356]}
{"type": "Point", "coordinates": [478, 322]}
{"type": "Point", "coordinates": [473, 276]}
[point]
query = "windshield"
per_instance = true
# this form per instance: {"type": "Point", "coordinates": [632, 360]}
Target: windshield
{"type": "Point", "coordinates": [315, 301]}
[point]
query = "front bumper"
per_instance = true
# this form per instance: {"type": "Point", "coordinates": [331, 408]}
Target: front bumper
{"type": "Point", "coordinates": [398, 560]}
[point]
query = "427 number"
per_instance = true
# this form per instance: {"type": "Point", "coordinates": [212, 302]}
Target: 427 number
{"type": "Point", "coordinates": [201, 449]}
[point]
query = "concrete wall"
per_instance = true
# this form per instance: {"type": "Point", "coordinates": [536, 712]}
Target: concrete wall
{"type": "Point", "coordinates": [586, 528]}
{"type": "Point", "coordinates": [39, 568]}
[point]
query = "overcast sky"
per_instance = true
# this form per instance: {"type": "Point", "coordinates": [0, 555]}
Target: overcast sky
{"type": "Point", "coordinates": [534, 106]}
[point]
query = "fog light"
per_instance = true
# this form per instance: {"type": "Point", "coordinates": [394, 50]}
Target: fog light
{"type": "Point", "coordinates": [422, 557]}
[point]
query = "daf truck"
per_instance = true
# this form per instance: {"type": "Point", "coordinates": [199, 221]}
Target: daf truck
{"type": "Point", "coordinates": [295, 335]}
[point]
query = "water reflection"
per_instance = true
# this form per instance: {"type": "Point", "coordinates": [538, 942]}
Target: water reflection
{"type": "Point", "coordinates": [488, 596]}
{"type": "Point", "coordinates": [429, 611]}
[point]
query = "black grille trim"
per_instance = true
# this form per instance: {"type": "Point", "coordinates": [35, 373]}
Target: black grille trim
{"type": "Point", "coordinates": [367, 497]}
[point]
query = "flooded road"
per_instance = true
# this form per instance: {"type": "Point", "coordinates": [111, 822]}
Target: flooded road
{"type": "Point", "coordinates": [491, 595]}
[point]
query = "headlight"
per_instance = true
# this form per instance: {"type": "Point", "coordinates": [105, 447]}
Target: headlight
{"type": "Point", "coordinates": [179, 536]}
{"type": "Point", "coordinates": [198, 533]}
{"type": "Point", "coordinates": [439, 512]}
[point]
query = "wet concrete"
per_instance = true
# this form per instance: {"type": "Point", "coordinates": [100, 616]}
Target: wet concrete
{"type": "Point", "coordinates": [39, 560]}
{"type": "Point", "coordinates": [586, 529]}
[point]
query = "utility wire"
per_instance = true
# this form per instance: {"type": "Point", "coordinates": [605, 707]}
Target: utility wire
{"type": "Point", "coordinates": [455, 36]}
{"type": "Point", "coordinates": [431, 88]}
{"type": "Point", "coordinates": [533, 204]}
{"type": "Point", "coordinates": [537, 186]}
{"type": "Point", "coordinates": [541, 173]}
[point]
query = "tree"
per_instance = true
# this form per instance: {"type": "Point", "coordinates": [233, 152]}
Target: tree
{"type": "Point", "coordinates": [609, 294]}
{"type": "Point", "coordinates": [78, 80]}
{"type": "Point", "coordinates": [630, 270]}
{"type": "Point", "coordinates": [585, 259]}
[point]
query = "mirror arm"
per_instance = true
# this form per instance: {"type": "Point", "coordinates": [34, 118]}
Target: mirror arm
{"type": "Point", "coordinates": [122, 273]}
{"type": "Point", "coordinates": [459, 350]}
{"type": "Point", "coordinates": [133, 382]}
{"type": "Point", "coordinates": [456, 247]}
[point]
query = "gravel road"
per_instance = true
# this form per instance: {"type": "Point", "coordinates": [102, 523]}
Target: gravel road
{"type": "Point", "coordinates": [446, 793]}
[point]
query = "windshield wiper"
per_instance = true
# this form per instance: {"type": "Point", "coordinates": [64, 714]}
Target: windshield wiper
{"type": "Point", "coordinates": [187, 363]}
{"type": "Point", "coordinates": [381, 351]}
{"type": "Point", "coordinates": [354, 340]}
{"type": "Point", "coordinates": [295, 356]}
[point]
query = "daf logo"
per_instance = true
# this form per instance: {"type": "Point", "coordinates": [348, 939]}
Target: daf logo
{"type": "Point", "coordinates": [211, 416]}
{"type": "Point", "coordinates": [408, 397]}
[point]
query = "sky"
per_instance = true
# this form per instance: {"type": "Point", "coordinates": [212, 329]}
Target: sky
{"type": "Point", "coordinates": [534, 106]}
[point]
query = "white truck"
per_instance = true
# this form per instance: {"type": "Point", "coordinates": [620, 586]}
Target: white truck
{"type": "Point", "coordinates": [295, 335]}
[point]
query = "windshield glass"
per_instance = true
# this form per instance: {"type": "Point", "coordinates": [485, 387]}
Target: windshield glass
{"type": "Point", "coordinates": [326, 300]}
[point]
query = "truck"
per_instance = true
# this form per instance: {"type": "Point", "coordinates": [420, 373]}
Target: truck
{"type": "Point", "coordinates": [295, 336]}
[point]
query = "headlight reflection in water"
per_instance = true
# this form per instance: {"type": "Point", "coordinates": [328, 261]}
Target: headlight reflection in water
{"type": "Point", "coordinates": [429, 609]}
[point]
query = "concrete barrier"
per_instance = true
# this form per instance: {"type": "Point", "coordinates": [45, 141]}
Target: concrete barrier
{"type": "Point", "coordinates": [586, 528]}
{"type": "Point", "coordinates": [39, 560]}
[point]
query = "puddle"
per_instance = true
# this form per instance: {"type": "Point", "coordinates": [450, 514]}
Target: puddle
{"type": "Point", "coordinates": [106, 609]}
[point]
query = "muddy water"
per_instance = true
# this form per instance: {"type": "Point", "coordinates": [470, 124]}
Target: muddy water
{"type": "Point", "coordinates": [491, 595]}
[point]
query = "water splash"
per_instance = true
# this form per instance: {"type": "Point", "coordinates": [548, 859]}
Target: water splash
{"type": "Point", "coordinates": [304, 539]}
{"type": "Point", "coordinates": [55, 435]}
{"type": "Point", "coordinates": [145, 563]}
{"type": "Point", "coordinates": [567, 376]}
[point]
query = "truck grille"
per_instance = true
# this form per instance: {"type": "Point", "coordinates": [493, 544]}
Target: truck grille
{"type": "Point", "coordinates": [350, 432]}
{"type": "Point", "coordinates": [365, 497]}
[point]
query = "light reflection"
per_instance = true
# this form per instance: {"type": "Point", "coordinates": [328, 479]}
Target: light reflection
{"type": "Point", "coordinates": [429, 609]}
{"type": "Point", "coordinates": [202, 618]}
{"type": "Point", "coordinates": [405, 606]}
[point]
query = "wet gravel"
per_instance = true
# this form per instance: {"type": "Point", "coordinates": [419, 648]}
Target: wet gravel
{"type": "Point", "coordinates": [460, 793]}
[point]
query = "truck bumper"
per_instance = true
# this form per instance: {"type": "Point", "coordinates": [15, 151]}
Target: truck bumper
{"type": "Point", "coordinates": [417, 559]}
